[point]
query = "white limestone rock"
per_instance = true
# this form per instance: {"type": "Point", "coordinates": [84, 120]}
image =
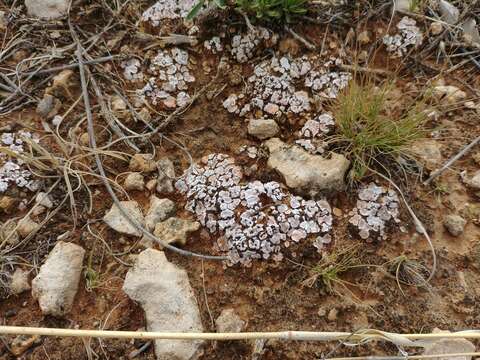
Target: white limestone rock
{"type": "Point", "coordinates": [164, 292]}
{"type": "Point", "coordinates": [56, 284]}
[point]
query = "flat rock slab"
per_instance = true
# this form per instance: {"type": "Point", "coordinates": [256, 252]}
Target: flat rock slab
{"type": "Point", "coordinates": [57, 281]}
{"type": "Point", "coordinates": [115, 219]}
{"type": "Point", "coordinates": [164, 292]}
{"type": "Point", "coordinates": [305, 173]}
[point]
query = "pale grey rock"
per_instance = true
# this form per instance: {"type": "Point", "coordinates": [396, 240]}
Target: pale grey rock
{"type": "Point", "coordinates": [307, 174]}
{"type": "Point", "coordinates": [115, 219]}
{"type": "Point", "coordinates": [47, 9]}
{"type": "Point", "coordinates": [166, 175]}
{"type": "Point", "coordinates": [263, 128]}
{"type": "Point", "coordinates": [164, 292]}
{"type": "Point", "coordinates": [134, 181]}
{"type": "Point", "coordinates": [56, 284]}
{"type": "Point", "coordinates": [428, 152]}
{"type": "Point", "coordinates": [27, 226]}
{"type": "Point", "coordinates": [19, 281]}
{"type": "Point", "coordinates": [44, 200]}
{"type": "Point", "coordinates": [229, 322]}
{"type": "Point", "coordinates": [455, 224]}
{"type": "Point", "coordinates": [450, 346]}
{"type": "Point", "coordinates": [472, 182]}
{"type": "Point", "coordinates": [449, 12]}
{"type": "Point", "coordinates": [175, 230]}
{"type": "Point", "coordinates": [160, 210]}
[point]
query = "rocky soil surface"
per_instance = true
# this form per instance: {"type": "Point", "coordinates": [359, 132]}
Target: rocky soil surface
{"type": "Point", "coordinates": [204, 186]}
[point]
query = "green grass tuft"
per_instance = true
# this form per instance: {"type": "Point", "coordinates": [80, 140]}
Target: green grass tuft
{"type": "Point", "coordinates": [367, 135]}
{"type": "Point", "coordinates": [270, 10]}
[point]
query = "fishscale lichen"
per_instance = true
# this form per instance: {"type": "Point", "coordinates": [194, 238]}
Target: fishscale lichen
{"type": "Point", "coordinates": [409, 35]}
{"type": "Point", "coordinates": [255, 220]}
{"type": "Point", "coordinates": [12, 168]}
{"type": "Point", "coordinates": [377, 207]}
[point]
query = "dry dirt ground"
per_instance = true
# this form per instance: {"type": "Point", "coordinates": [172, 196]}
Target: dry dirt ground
{"type": "Point", "coordinates": [269, 295]}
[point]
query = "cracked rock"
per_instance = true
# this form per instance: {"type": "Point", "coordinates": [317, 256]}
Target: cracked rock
{"type": "Point", "coordinates": [175, 230]}
{"type": "Point", "coordinates": [160, 210]}
{"type": "Point", "coordinates": [164, 292]}
{"type": "Point", "coordinates": [115, 219]}
{"type": "Point", "coordinates": [263, 128]}
{"type": "Point", "coordinates": [57, 281]}
{"type": "Point", "coordinates": [307, 174]}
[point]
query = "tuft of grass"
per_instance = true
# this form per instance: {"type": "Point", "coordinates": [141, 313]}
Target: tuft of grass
{"type": "Point", "coordinates": [368, 134]}
{"type": "Point", "coordinates": [92, 277]}
{"type": "Point", "coordinates": [408, 272]}
{"type": "Point", "coordinates": [327, 273]}
{"type": "Point", "coordinates": [270, 10]}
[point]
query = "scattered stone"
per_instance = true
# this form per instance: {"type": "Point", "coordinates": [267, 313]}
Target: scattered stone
{"type": "Point", "coordinates": [48, 106]}
{"type": "Point", "coordinates": [473, 182]}
{"type": "Point", "coordinates": [8, 233]}
{"type": "Point", "coordinates": [134, 181]}
{"type": "Point", "coordinates": [436, 28]}
{"type": "Point", "coordinates": [428, 151]}
{"type": "Point", "coordinates": [47, 9]}
{"type": "Point", "coordinates": [56, 284]}
{"type": "Point", "coordinates": [44, 200]}
{"type": "Point", "coordinates": [118, 104]}
{"type": "Point", "coordinates": [115, 219]}
{"type": "Point", "coordinates": [455, 224]}
{"type": "Point", "coordinates": [175, 230]}
{"type": "Point", "coordinates": [409, 35]}
{"type": "Point", "coordinates": [27, 226]}
{"type": "Point", "coordinates": [143, 163]}
{"type": "Point", "coordinates": [263, 128]}
{"type": "Point", "coordinates": [22, 343]}
{"type": "Point", "coordinates": [61, 84]}
{"type": "Point", "coordinates": [7, 203]}
{"type": "Point", "coordinates": [3, 21]}
{"type": "Point", "coordinates": [289, 46]}
{"type": "Point", "coordinates": [377, 207]}
{"type": "Point", "coordinates": [364, 37]}
{"type": "Point", "coordinates": [151, 184]}
{"type": "Point", "coordinates": [84, 139]}
{"type": "Point", "coordinates": [229, 322]}
{"type": "Point", "coordinates": [470, 105]}
{"type": "Point", "coordinates": [166, 175]}
{"type": "Point", "coordinates": [164, 292]}
{"type": "Point", "coordinates": [450, 346]}
{"type": "Point", "coordinates": [160, 210]}
{"type": "Point", "coordinates": [449, 12]}
{"type": "Point", "coordinates": [19, 281]}
{"type": "Point", "coordinates": [332, 314]}
{"type": "Point", "coordinates": [450, 93]}
{"type": "Point", "coordinates": [308, 174]}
